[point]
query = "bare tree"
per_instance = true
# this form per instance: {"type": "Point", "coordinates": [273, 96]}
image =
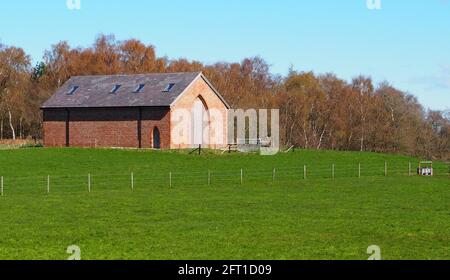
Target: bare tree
{"type": "Point", "coordinates": [317, 111]}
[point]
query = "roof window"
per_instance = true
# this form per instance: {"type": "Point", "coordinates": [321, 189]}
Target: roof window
{"type": "Point", "coordinates": [115, 89]}
{"type": "Point", "coordinates": [139, 88]}
{"type": "Point", "coordinates": [169, 87]}
{"type": "Point", "coordinates": [73, 90]}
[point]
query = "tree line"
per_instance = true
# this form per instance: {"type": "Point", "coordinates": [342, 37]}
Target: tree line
{"type": "Point", "coordinates": [317, 111]}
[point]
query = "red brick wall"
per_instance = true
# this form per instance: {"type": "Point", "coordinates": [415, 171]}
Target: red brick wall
{"type": "Point", "coordinates": [106, 127]}
{"type": "Point", "coordinates": [152, 118]}
{"type": "Point", "coordinates": [54, 128]}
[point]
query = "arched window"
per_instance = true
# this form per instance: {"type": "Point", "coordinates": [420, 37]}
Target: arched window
{"type": "Point", "coordinates": [200, 121]}
{"type": "Point", "coordinates": [156, 139]}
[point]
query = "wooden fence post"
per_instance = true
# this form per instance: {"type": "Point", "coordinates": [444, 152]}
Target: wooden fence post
{"type": "Point", "coordinates": [89, 182]}
{"type": "Point", "coordinates": [274, 172]}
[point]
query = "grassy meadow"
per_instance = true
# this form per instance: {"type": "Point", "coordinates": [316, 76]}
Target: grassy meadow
{"type": "Point", "coordinates": [195, 207]}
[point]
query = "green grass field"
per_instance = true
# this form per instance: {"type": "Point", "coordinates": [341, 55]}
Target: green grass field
{"type": "Point", "coordinates": [267, 217]}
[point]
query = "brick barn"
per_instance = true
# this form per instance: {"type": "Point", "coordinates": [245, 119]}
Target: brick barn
{"type": "Point", "coordinates": [136, 111]}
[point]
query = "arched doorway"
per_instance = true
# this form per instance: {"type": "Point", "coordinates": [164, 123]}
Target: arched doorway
{"type": "Point", "coordinates": [200, 119]}
{"type": "Point", "coordinates": [156, 139]}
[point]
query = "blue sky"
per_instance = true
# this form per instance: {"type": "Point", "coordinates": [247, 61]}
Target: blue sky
{"type": "Point", "coordinates": [407, 42]}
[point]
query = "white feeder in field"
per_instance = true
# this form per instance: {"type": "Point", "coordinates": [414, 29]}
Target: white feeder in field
{"type": "Point", "coordinates": [425, 169]}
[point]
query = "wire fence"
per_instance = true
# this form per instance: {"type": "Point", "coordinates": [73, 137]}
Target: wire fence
{"type": "Point", "coordinates": [141, 180]}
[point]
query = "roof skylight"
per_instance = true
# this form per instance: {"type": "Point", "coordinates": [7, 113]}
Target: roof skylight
{"type": "Point", "coordinates": [73, 90]}
{"type": "Point", "coordinates": [139, 88]}
{"type": "Point", "coordinates": [169, 87]}
{"type": "Point", "coordinates": [115, 89]}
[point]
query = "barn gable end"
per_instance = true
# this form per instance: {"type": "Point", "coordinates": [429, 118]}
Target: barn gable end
{"type": "Point", "coordinates": [201, 90]}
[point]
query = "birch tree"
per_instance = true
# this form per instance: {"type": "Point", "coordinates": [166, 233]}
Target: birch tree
{"type": "Point", "coordinates": [14, 77]}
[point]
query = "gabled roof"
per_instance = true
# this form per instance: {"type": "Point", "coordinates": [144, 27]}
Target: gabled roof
{"type": "Point", "coordinates": [95, 91]}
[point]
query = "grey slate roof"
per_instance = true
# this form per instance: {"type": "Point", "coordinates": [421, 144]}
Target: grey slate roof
{"type": "Point", "coordinates": [94, 91]}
